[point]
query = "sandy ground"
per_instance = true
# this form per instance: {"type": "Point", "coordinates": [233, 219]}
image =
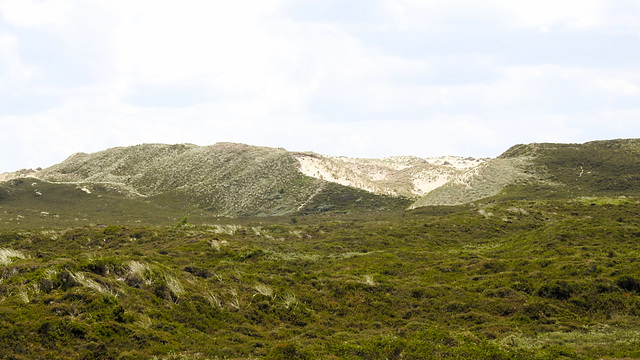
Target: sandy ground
{"type": "Point", "coordinates": [365, 173]}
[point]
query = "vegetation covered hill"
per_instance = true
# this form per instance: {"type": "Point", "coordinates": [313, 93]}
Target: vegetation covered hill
{"type": "Point", "coordinates": [610, 168]}
{"type": "Point", "coordinates": [235, 179]}
{"type": "Point", "coordinates": [223, 179]}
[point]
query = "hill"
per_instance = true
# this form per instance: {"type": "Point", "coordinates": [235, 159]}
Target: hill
{"type": "Point", "coordinates": [224, 179]}
{"type": "Point", "coordinates": [228, 179]}
{"type": "Point", "coordinates": [533, 171]}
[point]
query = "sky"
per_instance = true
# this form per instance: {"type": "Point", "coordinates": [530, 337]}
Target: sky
{"type": "Point", "coordinates": [358, 78]}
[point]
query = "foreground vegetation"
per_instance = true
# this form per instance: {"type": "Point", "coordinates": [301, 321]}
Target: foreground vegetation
{"type": "Point", "coordinates": [513, 280]}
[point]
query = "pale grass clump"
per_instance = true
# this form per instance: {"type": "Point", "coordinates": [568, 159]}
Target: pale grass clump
{"type": "Point", "coordinates": [7, 256]}
{"type": "Point", "coordinates": [50, 273]}
{"type": "Point", "coordinates": [292, 256]}
{"type": "Point", "coordinates": [289, 300]}
{"type": "Point", "coordinates": [215, 244]}
{"type": "Point", "coordinates": [174, 285]}
{"type": "Point", "coordinates": [226, 229]}
{"type": "Point", "coordinates": [91, 284]}
{"type": "Point", "coordinates": [485, 214]}
{"type": "Point", "coordinates": [218, 277]}
{"type": "Point", "coordinates": [264, 290]}
{"type": "Point", "coordinates": [139, 270]}
{"type": "Point", "coordinates": [52, 234]}
{"type": "Point", "coordinates": [257, 230]}
{"type": "Point", "coordinates": [35, 288]}
{"type": "Point", "coordinates": [517, 210]}
{"type": "Point", "coordinates": [218, 244]}
{"type": "Point", "coordinates": [23, 295]}
{"type": "Point", "coordinates": [213, 299]}
{"type": "Point", "coordinates": [368, 279]}
{"type": "Point", "coordinates": [144, 322]}
{"type": "Point", "coordinates": [235, 302]}
{"type": "Point", "coordinates": [297, 233]}
{"type": "Point", "coordinates": [350, 254]}
{"type": "Point", "coordinates": [182, 356]}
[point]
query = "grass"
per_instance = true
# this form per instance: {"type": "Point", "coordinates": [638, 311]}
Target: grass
{"type": "Point", "coordinates": [548, 171]}
{"type": "Point", "coordinates": [541, 279]}
{"type": "Point", "coordinates": [66, 205]}
{"type": "Point", "coordinates": [7, 256]}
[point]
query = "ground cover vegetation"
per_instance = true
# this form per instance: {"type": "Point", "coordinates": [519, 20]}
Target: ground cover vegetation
{"type": "Point", "coordinates": [535, 171]}
{"type": "Point", "coordinates": [511, 279]}
{"type": "Point", "coordinates": [31, 202]}
{"type": "Point", "coordinates": [226, 179]}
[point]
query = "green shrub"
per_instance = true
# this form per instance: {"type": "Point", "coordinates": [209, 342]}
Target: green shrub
{"type": "Point", "coordinates": [289, 351]}
{"type": "Point", "coordinates": [559, 290]}
{"type": "Point", "coordinates": [629, 284]}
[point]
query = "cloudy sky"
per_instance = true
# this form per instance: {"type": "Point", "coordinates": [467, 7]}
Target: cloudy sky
{"type": "Point", "coordinates": [365, 78]}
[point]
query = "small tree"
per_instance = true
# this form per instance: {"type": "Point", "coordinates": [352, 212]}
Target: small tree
{"type": "Point", "coordinates": [182, 222]}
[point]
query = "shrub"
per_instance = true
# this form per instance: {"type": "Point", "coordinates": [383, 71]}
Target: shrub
{"type": "Point", "coordinates": [111, 230]}
{"type": "Point", "coordinates": [288, 351]}
{"type": "Point", "coordinates": [182, 222]}
{"type": "Point", "coordinates": [628, 283]}
{"type": "Point", "coordinates": [559, 290]}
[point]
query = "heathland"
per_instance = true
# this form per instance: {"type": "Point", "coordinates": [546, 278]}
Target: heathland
{"type": "Point", "coordinates": [532, 255]}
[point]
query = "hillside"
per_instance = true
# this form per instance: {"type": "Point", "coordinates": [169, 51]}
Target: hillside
{"type": "Point", "coordinates": [228, 179]}
{"type": "Point", "coordinates": [407, 176]}
{"type": "Point", "coordinates": [18, 174]}
{"type": "Point", "coordinates": [598, 168]}
{"type": "Point", "coordinates": [224, 179]}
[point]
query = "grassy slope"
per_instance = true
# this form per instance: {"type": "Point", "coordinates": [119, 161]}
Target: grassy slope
{"type": "Point", "coordinates": [228, 179]}
{"type": "Point", "coordinates": [486, 180]}
{"type": "Point", "coordinates": [33, 203]}
{"type": "Point", "coordinates": [224, 179]}
{"type": "Point", "coordinates": [533, 171]}
{"type": "Point", "coordinates": [518, 280]}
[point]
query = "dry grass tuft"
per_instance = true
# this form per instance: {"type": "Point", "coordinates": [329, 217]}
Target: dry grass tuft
{"type": "Point", "coordinates": [7, 256]}
{"type": "Point", "coordinates": [264, 290]}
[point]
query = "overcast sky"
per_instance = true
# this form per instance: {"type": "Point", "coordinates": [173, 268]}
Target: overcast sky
{"type": "Point", "coordinates": [362, 78]}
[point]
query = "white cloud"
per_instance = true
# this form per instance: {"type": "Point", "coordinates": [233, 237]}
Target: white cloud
{"type": "Point", "coordinates": [11, 67]}
{"type": "Point", "coordinates": [168, 41]}
{"type": "Point", "coordinates": [30, 13]}
{"type": "Point", "coordinates": [540, 15]}
{"type": "Point", "coordinates": [545, 15]}
{"type": "Point", "coordinates": [33, 141]}
{"type": "Point", "coordinates": [619, 85]}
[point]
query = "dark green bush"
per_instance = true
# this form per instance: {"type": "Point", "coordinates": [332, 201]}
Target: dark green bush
{"type": "Point", "coordinates": [629, 284]}
{"type": "Point", "coordinates": [559, 290]}
{"type": "Point", "coordinates": [289, 351]}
